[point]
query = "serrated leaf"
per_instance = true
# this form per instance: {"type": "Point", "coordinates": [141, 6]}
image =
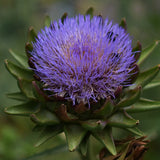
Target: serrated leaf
{"type": "Point", "coordinates": [18, 72]}
{"type": "Point", "coordinates": [17, 96]}
{"type": "Point", "coordinates": [154, 83]}
{"type": "Point", "coordinates": [23, 109]}
{"type": "Point", "coordinates": [143, 105]}
{"type": "Point", "coordinates": [122, 120]}
{"type": "Point", "coordinates": [74, 135]}
{"type": "Point", "coordinates": [84, 145]}
{"type": "Point", "coordinates": [90, 11]}
{"type": "Point", "coordinates": [45, 117]}
{"type": "Point", "coordinates": [47, 133]}
{"type": "Point", "coordinates": [147, 76]}
{"type": "Point", "coordinates": [93, 125]}
{"type": "Point", "coordinates": [32, 34]}
{"type": "Point", "coordinates": [26, 88]}
{"type": "Point", "coordinates": [135, 131]}
{"type": "Point", "coordinates": [47, 21]}
{"type": "Point", "coordinates": [131, 96]}
{"type": "Point", "coordinates": [21, 59]}
{"type": "Point", "coordinates": [106, 138]}
{"type": "Point", "coordinates": [147, 51]}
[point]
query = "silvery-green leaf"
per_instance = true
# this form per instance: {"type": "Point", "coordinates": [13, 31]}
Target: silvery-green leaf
{"type": "Point", "coordinates": [143, 105]}
{"type": "Point", "coordinates": [147, 51]}
{"type": "Point", "coordinates": [74, 135]}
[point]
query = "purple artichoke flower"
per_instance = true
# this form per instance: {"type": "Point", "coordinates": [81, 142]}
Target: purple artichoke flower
{"type": "Point", "coordinates": [83, 59]}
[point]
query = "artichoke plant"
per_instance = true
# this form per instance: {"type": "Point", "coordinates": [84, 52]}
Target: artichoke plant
{"type": "Point", "coordinates": [81, 76]}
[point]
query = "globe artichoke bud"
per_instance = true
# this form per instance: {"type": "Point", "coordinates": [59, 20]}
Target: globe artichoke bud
{"type": "Point", "coordinates": [81, 76]}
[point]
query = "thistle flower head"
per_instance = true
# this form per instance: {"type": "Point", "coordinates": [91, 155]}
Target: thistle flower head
{"type": "Point", "coordinates": [83, 59]}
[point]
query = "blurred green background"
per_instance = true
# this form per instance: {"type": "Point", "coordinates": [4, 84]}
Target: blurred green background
{"type": "Point", "coordinates": [143, 20]}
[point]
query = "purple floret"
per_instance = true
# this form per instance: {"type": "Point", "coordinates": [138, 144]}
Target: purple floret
{"type": "Point", "coordinates": [83, 59]}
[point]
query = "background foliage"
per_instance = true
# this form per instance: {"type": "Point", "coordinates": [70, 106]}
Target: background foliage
{"type": "Point", "coordinates": [16, 138]}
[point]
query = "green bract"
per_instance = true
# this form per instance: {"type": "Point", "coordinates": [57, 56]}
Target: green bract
{"type": "Point", "coordinates": [53, 116]}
